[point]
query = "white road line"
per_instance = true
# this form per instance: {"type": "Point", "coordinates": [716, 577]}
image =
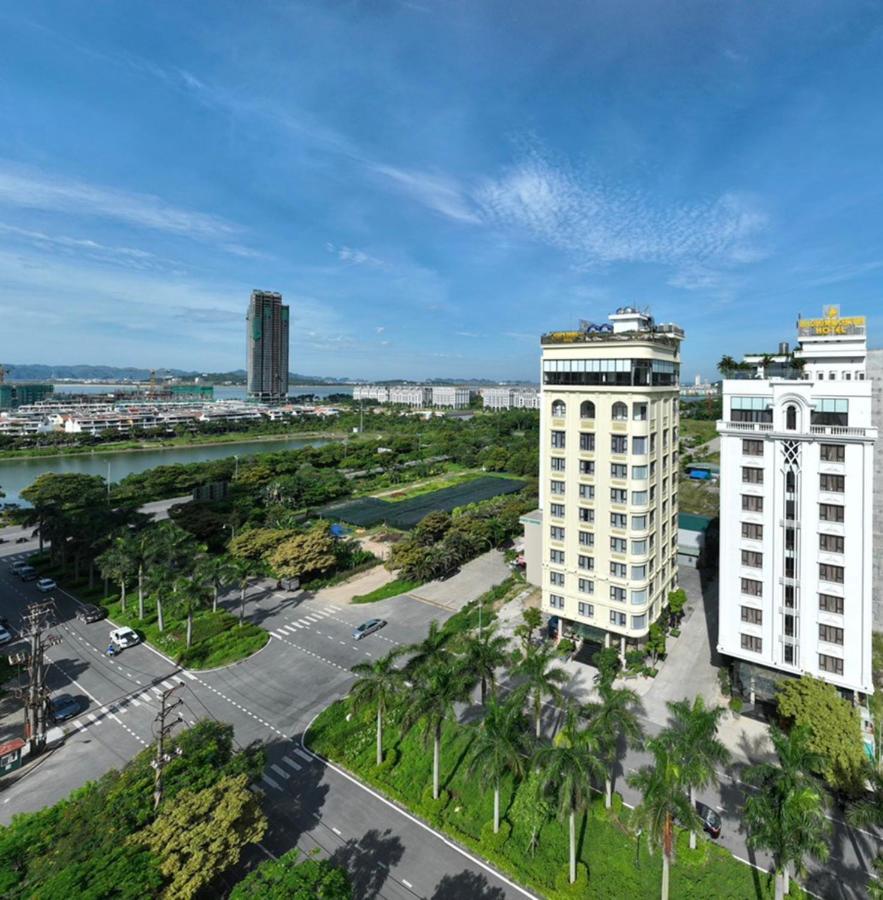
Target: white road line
{"type": "Point", "coordinates": [407, 884]}
{"type": "Point", "coordinates": [135, 702]}
{"type": "Point", "coordinates": [336, 830]}
{"type": "Point", "coordinates": [311, 620]}
{"type": "Point", "coordinates": [342, 642]}
{"type": "Point", "coordinates": [156, 691]}
{"type": "Point", "coordinates": [280, 771]}
{"type": "Point", "coordinates": [145, 697]}
{"type": "Point", "coordinates": [79, 725]}
{"type": "Point", "coordinates": [279, 637]}
{"type": "Point", "coordinates": [303, 754]}
{"type": "Point", "coordinates": [167, 685]}
{"type": "Point", "coordinates": [330, 638]}
{"type": "Point", "coordinates": [290, 762]}
{"type": "Point", "coordinates": [303, 623]}
{"type": "Point", "coordinates": [91, 717]}
{"type": "Point", "coordinates": [267, 780]}
{"type": "Point", "coordinates": [295, 625]}
{"type": "Point", "coordinates": [191, 676]}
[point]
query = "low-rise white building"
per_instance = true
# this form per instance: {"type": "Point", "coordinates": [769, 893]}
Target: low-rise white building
{"type": "Point", "coordinates": [452, 397]}
{"type": "Point", "coordinates": [410, 395]}
{"type": "Point", "coordinates": [376, 392]}
{"type": "Point", "coordinates": [510, 398]}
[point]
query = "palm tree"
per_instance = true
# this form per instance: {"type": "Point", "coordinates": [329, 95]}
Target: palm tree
{"type": "Point", "coordinates": [539, 679]}
{"type": "Point", "coordinates": [115, 564]}
{"type": "Point", "coordinates": [786, 816]}
{"type": "Point", "coordinates": [380, 684]}
{"type": "Point", "coordinates": [482, 654]}
{"type": "Point", "coordinates": [501, 746]}
{"type": "Point", "coordinates": [139, 549]}
{"type": "Point", "coordinates": [664, 801]}
{"type": "Point", "coordinates": [432, 649]}
{"type": "Point", "coordinates": [216, 571]}
{"type": "Point", "coordinates": [243, 571]}
{"type": "Point", "coordinates": [693, 735]}
{"type": "Point", "coordinates": [438, 686]}
{"type": "Point", "coordinates": [171, 548]}
{"type": "Point", "coordinates": [726, 364]}
{"type": "Point", "coordinates": [190, 595]}
{"type": "Point", "coordinates": [567, 767]}
{"type": "Point", "coordinates": [614, 720]}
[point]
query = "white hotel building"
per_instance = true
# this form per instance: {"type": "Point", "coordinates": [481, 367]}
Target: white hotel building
{"type": "Point", "coordinates": [796, 511]}
{"type": "Point", "coordinates": [608, 476]}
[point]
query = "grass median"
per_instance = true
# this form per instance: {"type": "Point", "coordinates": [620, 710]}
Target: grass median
{"type": "Point", "coordinates": [385, 591]}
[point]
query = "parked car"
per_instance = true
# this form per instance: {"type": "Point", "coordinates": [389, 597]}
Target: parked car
{"type": "Point", "coordinates": [123, 637]}
{"type": "Point", "coordinates": [45, 585]}
{"type": "Point", "coordinates": [65, 706]}
{"type": "Point", "coordinates": [90, 613]}
{"type": "Point", "coordinates": [552, 627]}
{"type": "Point", "coordinates": [27, 573]}
{"type": "Point", "coordinates": [367, 628]}
{"type": "Point", "coordinates": [711, 821]}
{"type": "Point", "coordinates": [5, 635]}
{"type": "Point", "coordinates": [22, 540]}
{"type": "Point", "coordinates": [19, 565]}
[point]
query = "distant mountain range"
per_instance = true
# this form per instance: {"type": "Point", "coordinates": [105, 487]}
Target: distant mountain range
{"type": "Point", "coordinates": [40, 372]}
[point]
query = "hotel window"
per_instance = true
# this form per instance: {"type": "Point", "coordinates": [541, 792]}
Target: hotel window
{"type": "Point", "coordinates": [831, 664]}
{"type": "Point", "coordinates": [789, 654]}
{"type": "Point", "coordinates": [619, 443]}
{"type": "Point", "coordinates": [752, 643]}
{"type": "Point", "coordinates": [586, 562]}
{"type": "Point", "coordinates": [833, 452]}
{"type": "Point", "coordinates": [617, 618]}
{"type": "Point", "coordinates": [750, 409]}
{"type": "Point", "coordinates": [751, 447]}
{"type": "Point", "coordinates": [751, 587]}
{"type": "Point", "coordinates": [557, 510]}
{"type": "Point", "coordinates": [586, 467]}
{"type": "Point", "coordinates": [833, 574]}
{"type": "Point", "coordinates": [752, 475]}
{"type": "Point", "coordinates": [557, 463]}
{"type": "Point", "coordinates": [639, 573]}
{"type": "Point", "coordinates": [558, 409]}
{"type": "Point", "coordinates": [619, 470]}
{"type": "Point", "coordinates": [639, 598]}
{"type": "Point", "coordinates": [835, 483]}
{"type": "Point", "coordinates": [752, 558]}
{"type": "Point", "coordinates": [639, 498]}
{"type": "Point", "coordinates": [752, 531]}
{"type": "Point", "coordinates": [587, 492]}
{"type": "Point", "coordinates": [789, 596]}
{"type": "Point", "coordinates": [586, 539]}
{"type": "Point", "coordinates": [557, 487]}
{"type": "Point", "coordinates": [618, 545]}
{"type": "Point", "coordinates": [831, 411]}
{"type": "Point", "coordinates": [556, 556]}
{"type": "Point", "coordinates": [830, 512]}
{"type": "Point", "coordinates": [586, 610]}
{"type": "Point", "coordinates": [556, 601]}
{"type": "Point", "coordinates": [791, 418]}
{"type": "Point", "coordinates": [586, 586]}
{"type": "Point", "coordinates": [752, 504]}
{"type": "Point", "coordinates": [789, 566]}
{"type": "Point", "coordinates": [830, 603]}
{"type": "Point", "coordinates": [751, 615]}
{"type": "Point", "coordinates": [586, 441]}
{"type": "Point", "coordinates": [639, 523]}
{"type": "Point", "coordinates": [831, 634]}
{"type": "Point", "coordinates": [556, 578]}
{"type": "Point", "coordinates": [620, 412]}
{"type": "Point", "coordinates": [618, 570]}
{"type": "Point", "coordinates": [639, 473]}
{"type": "Point", "coordinates": [639, 621]}
{"type": "Point", "coordinates": [618, 520]}
{"type": "Point", "coordinates": [617, 594]}
{"type": "Point", "coordinates": [558, 440]}
{"type": "Point", "coordinates": [586, 515]}
{"type": "Point", "coordinates": [556, 532]}
{"type": "Point", "coordinates": [639, 548]}
{"type": "Point", "coordinates": [789, 538]}
{"type": "Point", "coordinates": [639, 446]}
{"type": "Point", "coordinates": [832, 543]}
{"type": "Point", "coordinates": [587, 410]}
{"type": "Point", "coordinates": [618, 495]}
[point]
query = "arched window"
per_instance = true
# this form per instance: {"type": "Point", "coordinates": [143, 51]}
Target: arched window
{"type": "Point", "coordinates": [790, 481]}
{"type": "Point", "coordinates": [791, 418]}
{"type": "Point", "coordinates": [587, 410]}
{"type": "Point", "coordinates": [620, 412]}
{"type": "Point", "coordinates": [558, 409]}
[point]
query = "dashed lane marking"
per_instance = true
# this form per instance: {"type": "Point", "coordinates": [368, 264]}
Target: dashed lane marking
{"type": "Point", "coordinates": [337, 831]}
{"type": "Point", "coordinates": [407, 884]}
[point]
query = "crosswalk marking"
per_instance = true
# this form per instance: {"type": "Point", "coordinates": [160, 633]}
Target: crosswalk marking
{"type": "Point", "coordinates": [156, 691]}
{"type": "Point", "coordinates": [311, 619]}
{"type": "Point", "coordinates": [167, 686]}
{"type": "Point", "coordinates": [295, 625]}
{"type": "Point", "coordinates": [290, 762]}
{"type": "Point", "coordinates": [78, 725]}
{"type": "Point", "coordinates": [135, 702]}
{"type": "Point", "coordinates": [280, 771]}
{"type": "Point", "coordinates": [303, 755]}
{"type": "Point", "coordinates": [267, 780]}
{"type": "Point", "coordinates": [278, 636]}
{"type": "Point", "coordinates": [92, 717]}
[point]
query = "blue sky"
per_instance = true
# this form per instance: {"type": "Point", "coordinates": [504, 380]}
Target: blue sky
{"type": "Point", "coordinates": [432, 183]}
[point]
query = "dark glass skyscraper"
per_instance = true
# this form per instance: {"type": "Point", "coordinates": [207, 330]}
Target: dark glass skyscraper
{"type": "Point", "coordinates": [267, 337]}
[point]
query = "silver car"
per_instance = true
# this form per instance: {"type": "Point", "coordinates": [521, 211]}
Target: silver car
{"type": "Point", "coordinates": [367, 628]}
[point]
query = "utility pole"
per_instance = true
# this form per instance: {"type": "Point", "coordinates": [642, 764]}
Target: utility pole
{"type": "Point", "coordinates": [163, 729]}
{"type": "Point", "coordinates": [38, 618]}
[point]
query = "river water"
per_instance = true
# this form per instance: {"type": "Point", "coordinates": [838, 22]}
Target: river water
{"type": "Point", "coordinates": [17, 474]}
{"type": "Point", "coordinates": [222, 391]}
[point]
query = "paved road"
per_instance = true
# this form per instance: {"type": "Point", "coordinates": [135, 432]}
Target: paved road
{"type": "Point", "coordinates": [270, 697]}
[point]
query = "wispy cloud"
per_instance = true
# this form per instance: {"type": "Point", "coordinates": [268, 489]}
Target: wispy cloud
{"type": "Point", "coordinates": [352, 256]}
{"type": "Point", "coordinates": [438, 192]}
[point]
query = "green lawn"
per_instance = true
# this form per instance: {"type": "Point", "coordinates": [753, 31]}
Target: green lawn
{"type": "Point", "coordinates": [701, 429]}
{"type": "Point", "coordinates": [606, 846]}
{"type": "Point", "coordinates": [696, 497]}
{"type": "Point", "coordinates": [390, 589]}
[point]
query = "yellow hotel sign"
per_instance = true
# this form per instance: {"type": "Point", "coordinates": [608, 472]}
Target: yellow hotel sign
{"type": "Point", "coordinates": [832, 323]}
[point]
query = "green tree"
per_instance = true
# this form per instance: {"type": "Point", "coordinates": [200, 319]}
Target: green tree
{"type": "Point", "coordinates": [438, 686]}
{"type": "Point", "coordinates": [531, 808]}
{"type": "Point", "coordinates": [198, 835]}
{"type": "Point", "coordinates": [656, 642]}
{"type": "Point", "coordinates": [380, 684]}
{"type": "Point", "coordinates": [431, 650]}
{"type": "Point", "coordinates": [834, 729]}
{"type": "Point", "coordinates": [481, 655]}
{"type": "Point", "coordinates": [538, 678]}
{"type": "Point", "coordinates": [243, 571]}
{"type": "Point", "coordinates": [568, 766]}
{"type": "Point", "coordinates": [727, 365]}
{"type": "Point", "coordinates": [692, 732]}
{"type": "Point", "coordinates": [191, 595]}
{"type": "Point", "coordinates": [677, 600]}
{"type": "Point", "coordinates": [256, 543]}
{"type": "Point", "coordinates": [216, 571]}
{"type": "Point", "coordinates": [664, 801]}
{"type": "Point", "coordinates": [532, 620]}
{"type": "Point", "coordinates": [139, 549]}
{"type": "Point", "coordinates": [115, 563]}
{"type": "Point", "coordinates": [786, 817]}
{"type": "Point", "coordinates": [501, 747]}
{"type": "Point", "coordinates": [608, 664]}
{"type": "Point", "coordinates": [291, 878]}
{"type": "Point", "coordinates": [305, 555]}
{"type": "Point", "coordinates": [171, 552]}
{"type": "Point", "coordinates": [432, 527]}
{"type": "Point", "coordinates": [614, 720]}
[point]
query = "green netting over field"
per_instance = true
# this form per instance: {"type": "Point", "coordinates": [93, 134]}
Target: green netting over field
{"type": "Point", "coordinates": [407, 513]}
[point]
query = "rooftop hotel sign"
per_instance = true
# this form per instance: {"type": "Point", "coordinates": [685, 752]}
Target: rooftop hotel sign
{"type": "Point", "coordinates": [831, 324]}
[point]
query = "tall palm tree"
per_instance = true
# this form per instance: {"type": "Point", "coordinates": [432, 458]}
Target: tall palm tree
{"type": "Point", "coordinates": [115, 563]}
{"type": "Point", "coordinates": [243, 571]}
{"type": "Point", "coordinates": [567, 768]}
{"type": "Point", "coordinates": [438, 686]}
{"type": "Point", "coordinates": [190, 596]}
{"type": "Point", "coordinates": [614, 720]}
{"type": "Point", "coordinates": [538, 679]}
{"type": "Point", "coordinates": [380, 684]}
{"type": "Point", "coordinates": [664, 801]}
{"type": "Point", "coordinates": [502, 746]}
{"type": "Point", "coordinates": [692, 731]}
{"type": "Point", "coordinates": [171, 549]}
{"type": "Point", "coordinates": [139, 548]}
{"type": "Point", "coordinates": [726, 365]}
{"type": "Point", "coordinates": [786, 816]}
{"type": "Point", "coordinates": [481, 655]}
{"type": "Point", "coordinates": [433, 648]}
{"type": "Point", "coordinates": [216, 571]}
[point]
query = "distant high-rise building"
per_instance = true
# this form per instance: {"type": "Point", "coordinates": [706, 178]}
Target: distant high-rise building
{"type": "Point", "coordinates": [267, 346]}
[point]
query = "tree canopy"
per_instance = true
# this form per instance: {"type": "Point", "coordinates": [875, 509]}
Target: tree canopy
{"type": "Point", "coordinates": [291, 878]}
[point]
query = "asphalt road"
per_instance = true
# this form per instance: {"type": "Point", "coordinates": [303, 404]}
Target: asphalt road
{"type": "Point", "coordinates": [271, 697]}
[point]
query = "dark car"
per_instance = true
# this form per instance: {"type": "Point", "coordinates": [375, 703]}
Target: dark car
{"type": "Point", "coordinates": [711, 821]}
{"type": "Point", "coordinates": [367, 628]}
{"type": "Point", "coordinates": [22, 540]}
{"type": "Point", "coordinates": [552, 627]}
{"type": "Point", "coordinates": [64, 707]}
{"type": "Point", "coordinates": [89, 613]}
{"type": "Point", "coordinates": [28, 573]}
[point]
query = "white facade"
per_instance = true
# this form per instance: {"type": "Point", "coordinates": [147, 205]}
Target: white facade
{"type": "Point", "coordinates": [608, 475]}
{"type": "Point", "coordinates": [376, 392]}
{"type": "Point", "coordinates": [510, 398]}
{"type": "Point", "coordinates": [410, 395]}
{"type": "Point", "coordinates": [453, 397]}
{"type": "Point", "coordinates": [796, 529]}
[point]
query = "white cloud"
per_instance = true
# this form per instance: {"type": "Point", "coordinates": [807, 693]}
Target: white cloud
{"type": "Point", "coordinates": [352, 256]}
{"type": "Point", "coordinates": [438, 192]}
